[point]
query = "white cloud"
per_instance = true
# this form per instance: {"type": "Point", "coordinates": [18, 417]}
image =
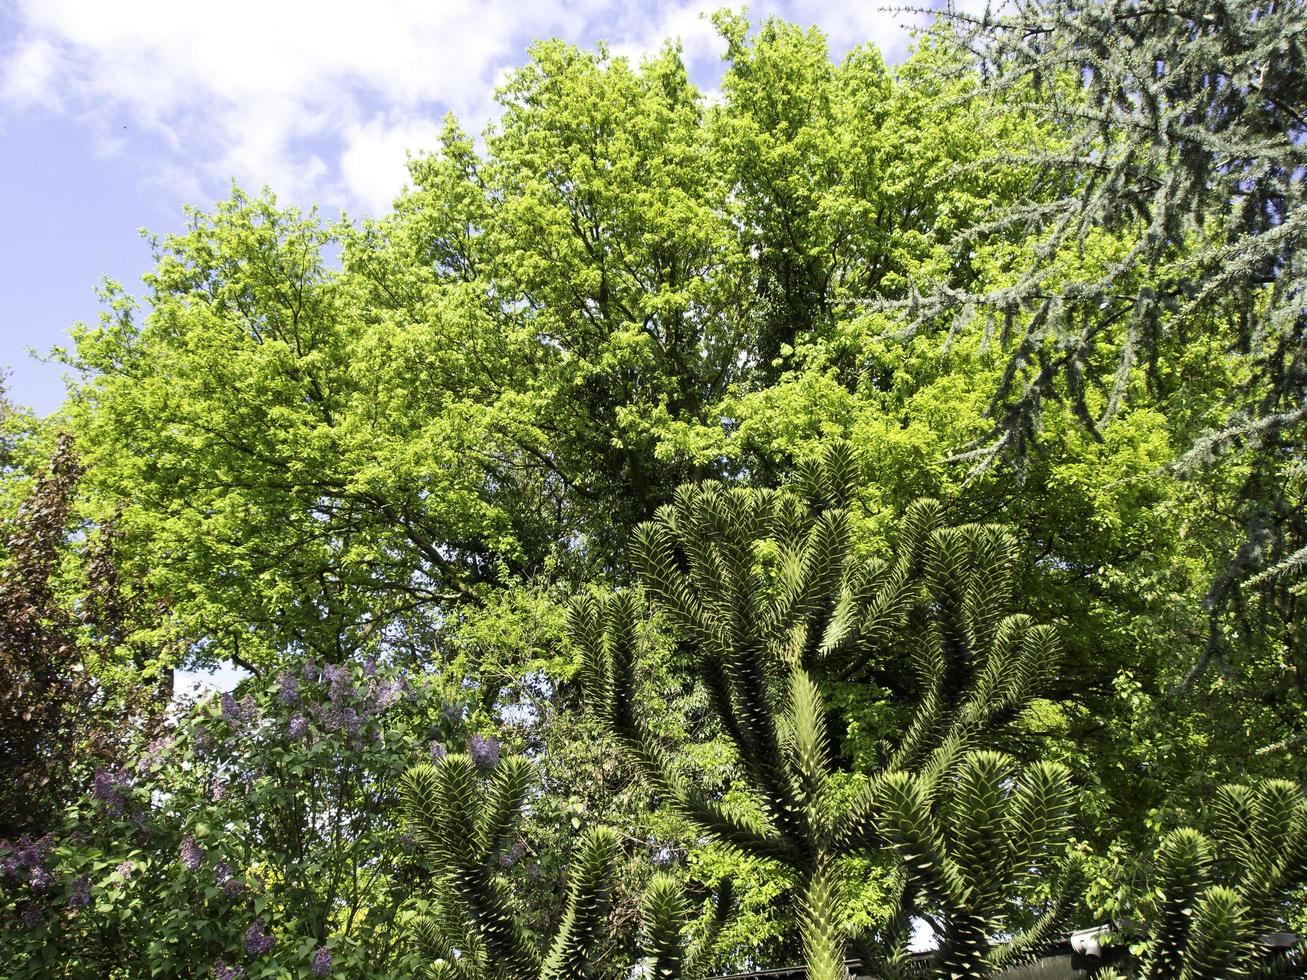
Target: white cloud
{"type": "Point", "coordinates": [317, 98]}
{"type": "Point", "coordinates": [689, 24]}
{"type": "Point", "coordinates": [27, 78]}
{"type": "Point", "coordinates": [848, 23]}
{"type": "Point", "coordinates": [373, 162]}
{"type": "Point", "coordinates": [265, 91]}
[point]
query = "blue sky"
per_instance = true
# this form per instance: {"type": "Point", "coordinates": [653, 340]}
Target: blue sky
{"type": "Point", "coordinates": [115, 113]}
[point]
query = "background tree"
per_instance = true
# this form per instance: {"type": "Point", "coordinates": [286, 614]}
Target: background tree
{"type": "Point", "coordinates": [60, 708]}
{"type": "Point", "coordinates": [1184, 143]}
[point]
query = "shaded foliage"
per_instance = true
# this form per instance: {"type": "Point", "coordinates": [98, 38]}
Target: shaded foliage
{"type": "Point", "coordinates": [58, 712]}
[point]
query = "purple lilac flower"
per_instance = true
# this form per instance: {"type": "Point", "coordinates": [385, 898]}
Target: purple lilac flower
{"type": "Point", "coordinates": [258, 940]}
{"type": "Point", "coordinates": [218, 791]}
{"type": "Point", "coordinates": [438, 751]}
{"type": "Point", "coordinates": [288, 688]}
{"type": "Point", "coordinates": [203, 742]}
{"type": "Point", "coordinates": [249, 708]}
{"type": "Point", "coordinates": [80, 897]}
{"type": "Point", "coordinates": [369, 668]}
{"type": "Point", "coordinates": [321, 962]}
{"type": "Point", "coordinates": [41, 880]}
{"type": "Point", "coordinates": [107, 786]}
{"type": "Point", "coordinates": [453, 712]}
{"type": "Point", "coordinates": [124, 871]}
{"type": "Point", "coordinates": [153, 755]}
{"type": "Point", "coordinates": [512, 855]}
{"type": "Point", "coordinates": [327, 718]}
{"type": "Point", "coordinates": [31, 915]}
{"type": "Point", "coordinates": [226, 879]}
{"type": "Point", "coordinates": [299, 727]}
{"type": "Point", "coordinates": [221, 971]}
{"type": "Point", "coordinates": [387, 694]}
{"type": "Point", "coordinates": [230, 709]}
{"type": "Point", "coordinates": [350, 719]}
{"type": "Point", "coordinates": [192, 853]}
{"type": "Point", "coordinates": [341, 690]}
{"type": "Point", "coordinates": [310, 671]}
{"type": "Point", "coordinates": [484, 750]}
{"type": "Point", "coordinates": [28, 853]}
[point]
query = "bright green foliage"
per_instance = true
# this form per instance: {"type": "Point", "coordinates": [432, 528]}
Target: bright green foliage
{"type": "Point", "coordinates": [766, 588]}
{"type": "Point", "coordinates": [496, 378]}
{"type": "Point", "coordinates": [467, 823]}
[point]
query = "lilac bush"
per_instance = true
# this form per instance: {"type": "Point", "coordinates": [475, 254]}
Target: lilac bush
{"type": "Point", "coordinates": [188, 862]}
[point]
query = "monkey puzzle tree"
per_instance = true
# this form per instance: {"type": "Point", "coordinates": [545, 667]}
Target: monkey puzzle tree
{"type": "Point", "coordinates": [466, 820]}
{"type": "Point", "coordinates": [769, 591]}
{"type": "Point", "coordinates": [1220, 904]}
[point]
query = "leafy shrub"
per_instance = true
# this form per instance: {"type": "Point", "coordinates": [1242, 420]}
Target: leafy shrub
{"type": "Point", "coordinates": [260, 837]}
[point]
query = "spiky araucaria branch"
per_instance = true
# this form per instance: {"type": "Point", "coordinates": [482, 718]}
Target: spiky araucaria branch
{"type": "Point", "coordinates": [465, 819]}
{"type": "Point", "coordinates": [764, 637]}
{"type": "Point", "coordinates": [1218, 902]}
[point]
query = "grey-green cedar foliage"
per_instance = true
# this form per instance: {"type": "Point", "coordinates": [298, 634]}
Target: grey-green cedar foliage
{"type": "Point", "coordinates": [466, 821]}
{"type": "Point", "coordinates": [982, 842]}
{"type": "Point", "coordinates": [1183, 139]}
